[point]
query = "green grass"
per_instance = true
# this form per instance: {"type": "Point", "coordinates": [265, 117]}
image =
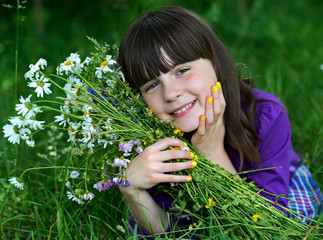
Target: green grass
{"type": "Point", "coordinates": [279, 41]}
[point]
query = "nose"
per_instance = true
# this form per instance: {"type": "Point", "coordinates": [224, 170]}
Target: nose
{"type": "Point", "coordinates": [172, 89]}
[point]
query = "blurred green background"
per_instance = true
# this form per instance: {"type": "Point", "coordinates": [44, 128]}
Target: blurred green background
{"type": "Point", "coordinates": [279, 43]}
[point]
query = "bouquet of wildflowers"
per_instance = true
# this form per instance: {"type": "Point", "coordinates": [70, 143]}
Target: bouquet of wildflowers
{"type": "Point", "coordinates": [103, 117]}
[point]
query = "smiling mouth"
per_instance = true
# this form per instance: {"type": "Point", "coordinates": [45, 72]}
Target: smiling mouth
{"type": "Point", "coordinates": [184, 108]}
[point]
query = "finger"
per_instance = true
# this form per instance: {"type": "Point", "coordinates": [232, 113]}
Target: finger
{"type": "Point", "coordinates": [201, 126]}
{"type": "Point", "coordinates": [174, 154]}
{"type": "Point", "coordinates": [175, 166]}
{"type": "Point", "coordinates": [166, 143]}
{"type": "Point", "coordinates": [209, 109]}
{"type": "Point", "coordinates": [174, 178]}
{"type": "Point", "coordinates": [217, 109]}
{"type": "Point", "coordinates": [222, 99]}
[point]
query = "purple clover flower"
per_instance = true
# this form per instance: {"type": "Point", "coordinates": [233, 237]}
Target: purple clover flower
{"type": "Point", "coordinates": [103, 186]}
{"type": "Point", "coordinates": [139, 149]}
{"type": "Point", "coordinates": [126, 147]}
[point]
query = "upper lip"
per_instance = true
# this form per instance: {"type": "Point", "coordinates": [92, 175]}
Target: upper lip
{"type": "Point", "coordinates": [175, 110]}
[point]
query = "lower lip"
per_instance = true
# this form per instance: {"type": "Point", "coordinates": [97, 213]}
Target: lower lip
{"type": "Point", "coordinates": [185, 112]}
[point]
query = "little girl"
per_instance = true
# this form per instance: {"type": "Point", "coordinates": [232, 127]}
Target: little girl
{"type": "Point", "coordinates": [187, 78]}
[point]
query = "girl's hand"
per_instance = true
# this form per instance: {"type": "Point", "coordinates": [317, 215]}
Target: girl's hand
{"type": "Point", "coordinates": [209, 137]}
{"type": "Point", "coordinates": [151, 167]}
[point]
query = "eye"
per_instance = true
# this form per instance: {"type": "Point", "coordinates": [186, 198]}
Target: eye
{"type": "Point", "coordinates": [181, 71]}
{"type": "Point", "coordinates": [151, 86]}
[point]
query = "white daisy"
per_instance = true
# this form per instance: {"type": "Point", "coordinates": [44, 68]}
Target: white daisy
{"type": "Point", "coordinates": [63, 119]}
{"type": "Point", "coordinates": [104, 142]}
{"type": "Point", "coordinates": [105, 66]}
{"type": "Point", "coordinates": [18, 121]}
{"type": "Point", "coordinates": [34, 124]}
{"type": "Point", "coordinates": [25, 106]}
{"type": "Point", "coordinates": [73, 132]}
{"type": "Point", "coordinates": [14, 133]}
{"type": "Point", "coordinates": [71, 62]}
{"type": "Point", "coordinates": [30, 143]}
{"type": "Point", "coordinates": [41, 84]}
{"type": "Point", "coordinates": [41, 64]}
{"type": "Point", "coordinates": [86, 62]}
{"type": "Point", "coordinates": [17, 183]}
{"type": "Point", "coordinates": [86, 113]}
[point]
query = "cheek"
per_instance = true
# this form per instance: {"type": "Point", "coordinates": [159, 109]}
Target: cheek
{"type": "Point", "coordinates": [155, 104]}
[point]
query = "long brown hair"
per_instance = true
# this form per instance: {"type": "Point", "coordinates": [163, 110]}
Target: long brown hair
{"type": "Point", "coordinates": [185, 37]}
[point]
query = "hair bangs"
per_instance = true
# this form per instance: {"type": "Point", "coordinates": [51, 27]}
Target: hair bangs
{"type": "Point", "coordinates": [161, 45]}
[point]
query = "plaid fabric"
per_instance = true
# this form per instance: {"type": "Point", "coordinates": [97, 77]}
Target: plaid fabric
{"type": "Point", "coordinates": [306, 194]}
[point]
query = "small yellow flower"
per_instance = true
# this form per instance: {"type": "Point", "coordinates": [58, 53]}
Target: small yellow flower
{"type": "Point", "coordinates": [256, 217]}
{"type": "Point", "coordinates": [196, 157]}
{"type": "Point", "coordinates": [151, 138]}
{"type": "Point", "coordinates": [177, 148]}
{"type": "Point", "coordinates": [145, 143]}
{"type": "Point", "coordinates": [157, 132]}
{"type": "Point", "coordinates": [179, 132]}
{"type": "Point", "coordinates": [211, 202]}
{"type": "Point", "coordinates": [150, 111]}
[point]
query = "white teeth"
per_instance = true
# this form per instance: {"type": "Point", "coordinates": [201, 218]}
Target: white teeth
{"type": "Point", "coordinates": [184, 108]}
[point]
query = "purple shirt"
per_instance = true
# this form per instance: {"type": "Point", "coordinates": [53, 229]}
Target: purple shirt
{"type": "Point", "coordinates": [275, 148]}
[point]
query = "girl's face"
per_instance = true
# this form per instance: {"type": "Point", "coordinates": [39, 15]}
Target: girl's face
{"type": "Point", "coordinates": [178, 96]}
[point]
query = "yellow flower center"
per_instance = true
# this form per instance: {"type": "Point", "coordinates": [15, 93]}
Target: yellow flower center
{"type": "Point", "coordinates": [104, 63]}
{"type": "Point", "coordinates": [69, 128]}
{"type": "Point", "coordinates": [16, 129]}
{"type": "Point", "coordinates": [68, 63]}
{"type": "Point", "coordinates": [40, 83]}
{"type": "Point", "coordinates": [28, 105]}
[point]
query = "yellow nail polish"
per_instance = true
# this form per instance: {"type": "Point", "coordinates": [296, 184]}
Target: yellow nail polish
{"type": "Point", "coordinates": [215, 89]}
{"type": "Point", "coordinates": [202, 118]}
{"type": "Point", "coordinates": [192, 154]}
{"type": "Point", "coordinates": [189, 179]}
{"type": "Point", "coordinates": [185, 144]}
{"type": "Point", "coordinates": [218, 84]}
{"type": "Point", "coordinates": [194, 163]}
{"type": "Point", "coordinates": [210, 99]}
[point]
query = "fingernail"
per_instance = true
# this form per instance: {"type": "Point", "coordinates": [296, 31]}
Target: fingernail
{"type": "Point", "coordinates": [192, 154]}
{"type": "Point", "coordinates": [194, 163]}
{"type": "Point", "coordinates": [215, 89]}
{"type": "Point", "coordinates": [189, 179]}
{"type": "Point", "coordinates": [202, 118]}
{"type": "Point", "coordinates": [218, 84]}
{"type": "Point", "coordinates": [210, 99]}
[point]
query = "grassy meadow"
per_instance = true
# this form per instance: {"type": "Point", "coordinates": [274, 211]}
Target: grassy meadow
{"type": "Point", "coordinates": [277, 43]}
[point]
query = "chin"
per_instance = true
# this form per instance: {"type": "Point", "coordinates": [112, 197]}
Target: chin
{"type": "Point", "coordinates": [188, 128]}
